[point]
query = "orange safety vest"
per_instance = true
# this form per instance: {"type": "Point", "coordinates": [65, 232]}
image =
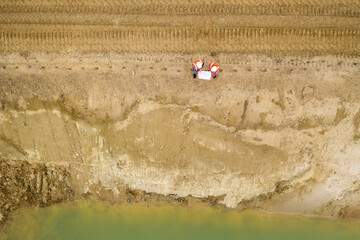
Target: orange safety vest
{"type": "Point", "coordinates": [195, 64]}
{"type": "Point", "coordinates": [214, 67]}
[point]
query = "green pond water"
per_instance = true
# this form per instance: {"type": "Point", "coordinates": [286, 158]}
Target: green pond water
{"type": "Point", "coordinates": [97, 220]}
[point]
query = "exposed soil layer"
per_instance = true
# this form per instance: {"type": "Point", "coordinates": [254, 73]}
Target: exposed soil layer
{"type": "Point", "coordinates": [37, 184]}
{"type": "Point", "coordinates": [272, 133]}
{"type": "Point", "coordinates": [97, 99]}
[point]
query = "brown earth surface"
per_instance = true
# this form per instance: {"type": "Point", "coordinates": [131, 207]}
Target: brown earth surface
{"type": "Point", "coordinates": [97, 99]}
{"type": "Point", "coordinates": [304, 27]}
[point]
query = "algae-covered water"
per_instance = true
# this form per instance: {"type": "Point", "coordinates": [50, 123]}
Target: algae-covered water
{"type": "Point", "coordinates": [97, 220]}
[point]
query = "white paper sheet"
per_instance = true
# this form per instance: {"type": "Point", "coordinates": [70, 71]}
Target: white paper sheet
{"type": "Point", "coordinates": [204, 75]}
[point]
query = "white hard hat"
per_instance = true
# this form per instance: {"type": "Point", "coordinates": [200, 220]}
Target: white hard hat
{"type": "Point", "coordinates": [214, 69]}
{"type": "Point", "coordinates": [199, 64]}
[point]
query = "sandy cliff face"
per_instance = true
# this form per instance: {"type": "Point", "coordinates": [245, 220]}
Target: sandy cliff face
{"type": "Point", "coordinates": [97, 98]}
{"type": "Point", "coordinates": [277, 134]}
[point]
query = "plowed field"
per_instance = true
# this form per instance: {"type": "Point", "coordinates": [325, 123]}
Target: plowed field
{"type": "Point", "coordinates": [273, 27]}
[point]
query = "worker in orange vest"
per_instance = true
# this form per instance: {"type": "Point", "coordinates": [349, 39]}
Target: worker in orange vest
{"type": "Point", "coordinates": [214, 69]}
{"type": "Point", "coordinates": [197, 66]}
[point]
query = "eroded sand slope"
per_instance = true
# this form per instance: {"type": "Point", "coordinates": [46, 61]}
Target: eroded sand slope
{"type": "Point", "coordinates": [277, 132]}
